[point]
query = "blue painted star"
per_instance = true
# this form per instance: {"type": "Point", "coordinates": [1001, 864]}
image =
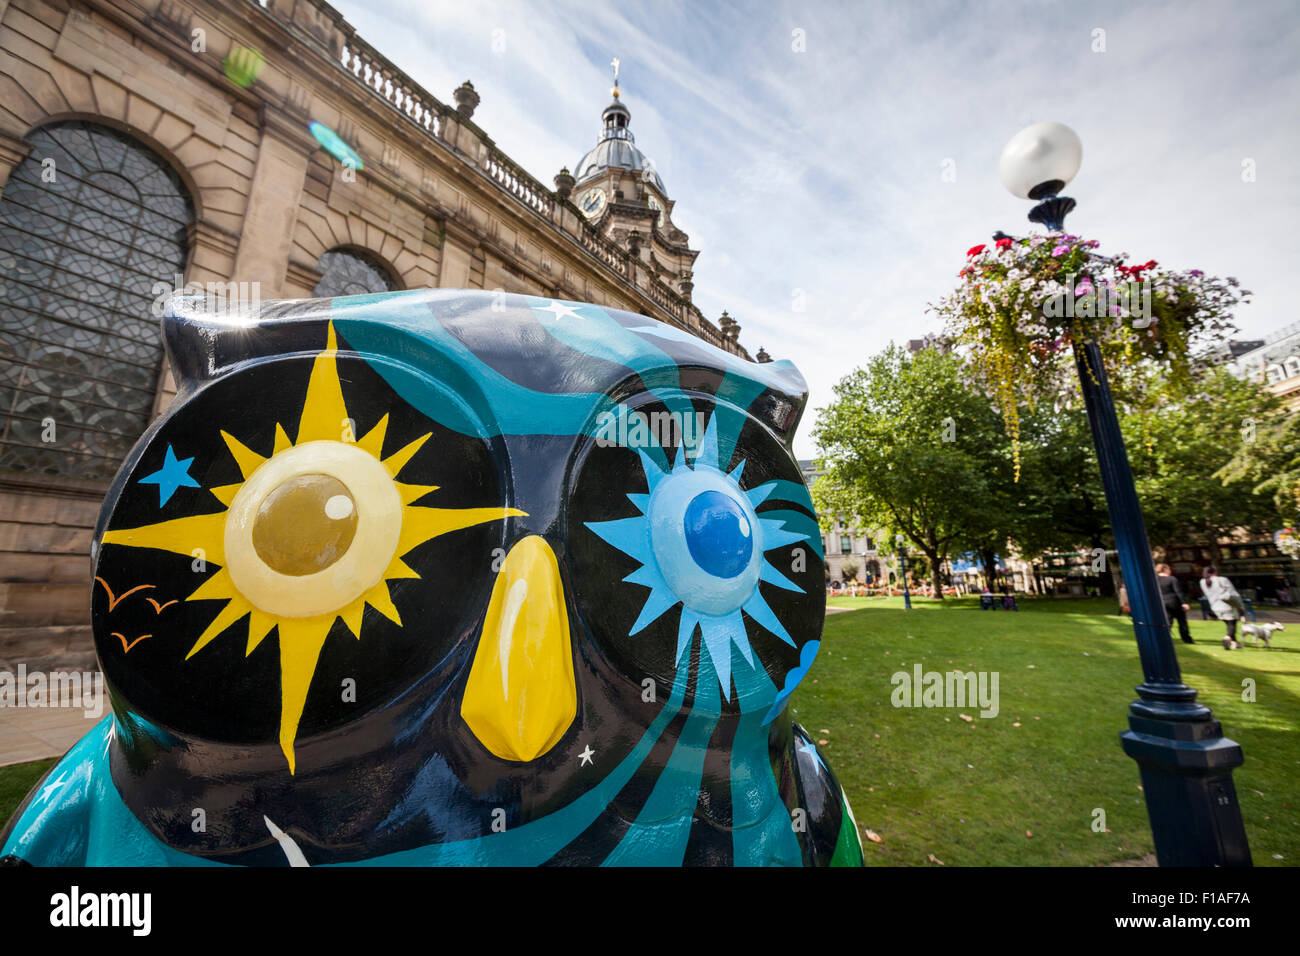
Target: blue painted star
{"type": "Point", "coordinates": [172, 475]}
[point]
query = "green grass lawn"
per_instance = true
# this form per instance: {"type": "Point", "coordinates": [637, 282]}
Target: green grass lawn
{"type": "Point", "coordinates": [971, 793]}
{"type": "Point", "coordinates": [15, 781]}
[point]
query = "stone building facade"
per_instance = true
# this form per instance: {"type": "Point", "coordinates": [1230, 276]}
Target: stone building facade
{"type": "Point", "coordinates": [1273, 361]}
{"type": "Point", "coordinates": [846, 543]}
{"type": "Point", "coordinates": [237, 141]}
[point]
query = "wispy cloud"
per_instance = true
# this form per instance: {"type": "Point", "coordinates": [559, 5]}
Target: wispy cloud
{"type": "Point", "coordinates": [821, 172]}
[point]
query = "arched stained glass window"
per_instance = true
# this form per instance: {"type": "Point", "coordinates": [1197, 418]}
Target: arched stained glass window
{"type": "Point", "coordinates": [90, 220]}
{"type": "Point", "coordinates": [347, 272]}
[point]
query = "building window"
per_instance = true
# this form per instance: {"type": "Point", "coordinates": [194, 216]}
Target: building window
{"type": "Point", "coordinates": [846, 544]}
{"type": "Point", "coordinates": [1292, 367]}
{"type": "Point", "coordinates": [80, 253]}
{"type": "Point", "coordinates": [348, 272]}
{"type": "Point", "coordinates": [871, 544]}
{"type": "Point", "coordinates": [1274, 374]}
{"type": "Point", "coordinates": [842, 523]}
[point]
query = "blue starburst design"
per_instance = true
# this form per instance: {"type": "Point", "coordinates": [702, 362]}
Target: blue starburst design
{"type": "Point", "coordinates": [701, 544]}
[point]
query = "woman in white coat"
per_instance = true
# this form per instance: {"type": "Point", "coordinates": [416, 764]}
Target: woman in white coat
{"type": "Point", "coordinates": [1225, 602]}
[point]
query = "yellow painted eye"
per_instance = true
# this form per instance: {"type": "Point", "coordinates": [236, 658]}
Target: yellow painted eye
{"type": "Point", "coordinates": [313, 529]}
{"type": "Point", "coordinates": [313, 534]}
{"type": "Point", "coordinates": [305, 525]}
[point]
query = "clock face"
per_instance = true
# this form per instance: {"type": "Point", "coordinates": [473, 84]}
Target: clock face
{"type": "Point", "coordinates": [657, 206]}
{"type": "Point", "coordinates": [592, 202]}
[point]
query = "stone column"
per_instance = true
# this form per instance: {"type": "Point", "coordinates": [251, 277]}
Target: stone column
{"type": "Point", "coordinates": [273, 201]}
{"type": "Point", "coordinates": [459, 246]}
{"type": "Point", "coordinates": [13, 150]}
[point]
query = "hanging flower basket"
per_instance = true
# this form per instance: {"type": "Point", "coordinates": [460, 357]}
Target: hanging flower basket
{"type": "Point", "coordinates": [1287, 542]}
{"type": "Point", "coordinates": [1023, 303]}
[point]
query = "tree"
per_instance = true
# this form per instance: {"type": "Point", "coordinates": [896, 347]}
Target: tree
{"type": "Point", "coordinates": [1268, 463]}
{"type": "Point", "coordinates": [849, 569]}
{"type": "Point", "coordinates": [909, 447]}
{"type": "Point", "coordinates": [1180, 442]}
{"type": "Point", "coordinates": [1063, 505]}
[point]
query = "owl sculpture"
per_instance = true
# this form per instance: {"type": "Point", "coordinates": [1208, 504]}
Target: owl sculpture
{"type": "Point", "coordinates": [452, 578]}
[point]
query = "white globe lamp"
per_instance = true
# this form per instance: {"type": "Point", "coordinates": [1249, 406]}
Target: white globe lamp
{"type": "Point", "coordinates": [1037, 163]}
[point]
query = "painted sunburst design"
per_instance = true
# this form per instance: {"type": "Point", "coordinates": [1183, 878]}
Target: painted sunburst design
{"type": "Point", "coordinates": [312, 534]}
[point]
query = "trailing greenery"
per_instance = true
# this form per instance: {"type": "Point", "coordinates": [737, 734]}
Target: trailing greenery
{"type": "Point", "coordinates": [1024, 303]}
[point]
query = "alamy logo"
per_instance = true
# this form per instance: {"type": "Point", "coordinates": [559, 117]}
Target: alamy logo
{"type": "Point", "coordinates": [222, 298]}
{"type": "Point", "coordinates": [631, 429]}
{"type": "Point", "coordinates": [953, 689]}
{"type": "Point", "coordinates": [74, 908]}
{"type": "Point", "coordinates": [55, 689]}
{"type": "Point", "coordinates": [1125, 300]}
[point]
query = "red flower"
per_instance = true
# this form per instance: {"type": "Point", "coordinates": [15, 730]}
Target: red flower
{"type": "Point", "coordinates": [974, 250]}
{"type": "Point", "coordinates": [1150, 264]}
{"type": "Point", "coordinates": [1004, 243]}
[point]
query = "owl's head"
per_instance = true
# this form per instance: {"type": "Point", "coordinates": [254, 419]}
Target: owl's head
{"type": "Point", "coordinates": [403, 559]}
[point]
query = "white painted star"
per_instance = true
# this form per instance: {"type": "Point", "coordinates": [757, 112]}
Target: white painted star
{"type": "Point", "coordinates": [562, 311]}
{"type": "Point", "coordinates": [52, 785]}
{"type": "Point", "coordinates": [586, 756]}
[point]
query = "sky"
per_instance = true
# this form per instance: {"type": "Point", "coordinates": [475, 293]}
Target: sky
{"type": "Point", "coordinates": [834, 161]}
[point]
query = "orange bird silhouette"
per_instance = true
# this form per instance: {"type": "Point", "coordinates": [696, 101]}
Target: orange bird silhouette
{"type": "Point", "coordinates": [115, 601]}
{"type": "Point", "coordinates": [126, 648]}
{"type": "Point", "coordinates": [158, 608]}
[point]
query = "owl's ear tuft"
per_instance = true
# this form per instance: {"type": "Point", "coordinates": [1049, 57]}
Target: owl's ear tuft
{"type": "Point", "coordinates": [785, 395]}
{"type": "Point", "coordinates": [206, 335]}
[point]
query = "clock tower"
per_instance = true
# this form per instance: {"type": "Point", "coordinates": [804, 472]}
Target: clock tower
{"type": "Point", "coordinates": [619, 190]}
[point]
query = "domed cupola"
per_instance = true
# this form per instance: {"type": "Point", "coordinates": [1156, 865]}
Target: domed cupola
{"type": "Point", "coordinates": [616, 148]}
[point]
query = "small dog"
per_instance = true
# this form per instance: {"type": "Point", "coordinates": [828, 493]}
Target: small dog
{"type": "Point", "coordinates": [1257, 631]}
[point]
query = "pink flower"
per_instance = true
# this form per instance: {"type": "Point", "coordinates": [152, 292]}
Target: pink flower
{"type": "Point", "coordinates": [1060, 251]}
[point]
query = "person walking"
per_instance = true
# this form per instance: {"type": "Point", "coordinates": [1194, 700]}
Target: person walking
{"type": "Point", "coordinates": [1171, 593]}
{"type": "Point", "coordinates": [1225, 602]}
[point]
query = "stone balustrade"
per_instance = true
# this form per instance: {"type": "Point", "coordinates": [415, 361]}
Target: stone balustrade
{"type": "Point", "coordinates": [374, 72]}
{"type": "Point", "coordinates": [371, 69]}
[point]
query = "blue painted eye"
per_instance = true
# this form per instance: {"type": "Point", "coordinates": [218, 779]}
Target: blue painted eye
{"type": "Point", "coordinates": [705, 550]}
{"type": "Point", "coordinates": [718, 534]}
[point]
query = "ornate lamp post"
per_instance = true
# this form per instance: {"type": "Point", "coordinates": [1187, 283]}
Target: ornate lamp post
{"type": "Point", "coordinates": [902, 570]}
{"type": "Point", "coordinates": [1185, 761]}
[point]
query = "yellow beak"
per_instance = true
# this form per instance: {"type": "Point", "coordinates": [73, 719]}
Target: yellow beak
{"type": "Point", "coordinates": [521, 697]}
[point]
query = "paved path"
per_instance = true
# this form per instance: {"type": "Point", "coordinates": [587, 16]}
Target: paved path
{"type": "Point", "coordinates": [1283, 615]}
{"type": "Point", "coordinates": [35, 733]}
